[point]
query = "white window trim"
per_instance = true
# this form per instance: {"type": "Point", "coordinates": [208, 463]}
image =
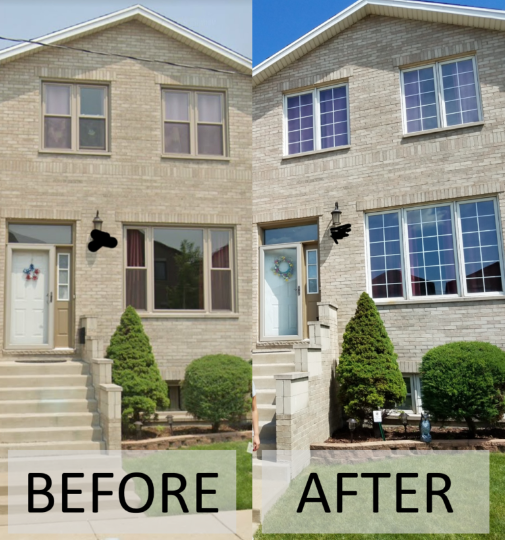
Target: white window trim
{"type": "Point", "coordinates": [416, 395]}
{"type": "Point", "coordinates": [207, 261]}
{"type": "Point", "coordinates": [457, 247]}
{"type": "Point", "coordinates": [58, 284]}
{"type": "Point", "coordinates": [75, 115]}
{"type": "Point", "coordinates": [440, 103]}
{"type": "Point", "coordinates": [307, 272]}
{"type": "Point", "coordinates": [316, 118]}
{"type": "Point", "coordinates": [193, 122]}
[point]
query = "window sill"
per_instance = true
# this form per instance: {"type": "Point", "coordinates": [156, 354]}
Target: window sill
{"type": "Point", "coordinates": [186, 315]}
{"type": "Point", "coordinates": [75, 153]}
{"type": "Point", "coordinates": [196, 158]}
{"type": "Point", "coordinates": [316, 152]}
{"type": "Point", "coordinates": [440, 130]}
{"type": "Point", "coordinates": [436, 300]}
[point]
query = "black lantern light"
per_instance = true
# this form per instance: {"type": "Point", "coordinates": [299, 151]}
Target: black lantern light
{"type": "Point", "coordinates": [404, 420]}
{"type": "Point", "coordinates": [138, 427]}
{"type": "Point", "coordinates": [97, 222]}
{"type": "Point", "coordinates": [338, 231]}
{"type": "Point", "coordinates": [352, 424]}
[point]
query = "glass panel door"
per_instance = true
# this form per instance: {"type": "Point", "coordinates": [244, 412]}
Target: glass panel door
{"type": "Point", "coordinates": [280, 309]}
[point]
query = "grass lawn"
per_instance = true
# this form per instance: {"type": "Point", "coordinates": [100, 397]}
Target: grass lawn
{"type": "Point", "coordinates": [496, 518]}
{"type": "Point", "coordinates": [244, 470]}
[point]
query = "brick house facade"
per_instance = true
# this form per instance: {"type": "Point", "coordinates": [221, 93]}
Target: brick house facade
{"type": "Point", "coordinates": [145, 174]}
{"type": "Point", "coordinates": [381, 167]}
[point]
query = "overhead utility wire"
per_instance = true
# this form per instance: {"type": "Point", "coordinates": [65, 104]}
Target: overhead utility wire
{"type": "Point", "coordinates": [117, 55]}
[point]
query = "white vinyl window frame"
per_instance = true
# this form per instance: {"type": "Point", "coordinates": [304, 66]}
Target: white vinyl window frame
{"type": "Point", "coordinates": [416, 395]}
{"type": "Point", "coordinates": [194, 122]}
{"type": "Point", "coordinates": [440, 102]}
{"type": "Point", "coordinates": [316, 265]}
{"type": "Point", "coordinates": [149, 267]}
{"type": "Point", "coordinates": [75, 117]}
{"type": "Point", "coordinates": [458, 250]}
{"type": "Point", "coordinates": [315, 92]}
{"type": "Point", "coordinates": [63, 271]}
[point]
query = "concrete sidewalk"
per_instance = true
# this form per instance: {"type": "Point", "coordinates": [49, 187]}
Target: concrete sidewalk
{"type": "Point", "coordinates": [243, 532]}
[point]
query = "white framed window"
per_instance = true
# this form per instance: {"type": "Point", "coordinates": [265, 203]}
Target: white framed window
{"type": "Point", "coordinates": [413, 401]}
{"type": "Point", "coordinates": [63, 277]}
{"type": "Point", "coordinates": [312, 271]}
{"type": "Point", "coordinates": [172, 269]}
{"type": "Point", "coordinates": [316, 119]}
{"type": "Point", "coordinates": [194, 123]}
{"type": "Point", "coordinates": [443, 250]}
{"type": "Point", "coordinates": [441, 94]}
{"type": "Point", "coordinates": [75, 117]}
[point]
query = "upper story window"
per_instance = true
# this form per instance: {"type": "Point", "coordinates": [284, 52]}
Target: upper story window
{"type": "Point", "coordinates": [179, 269]}
{"type": "Point", "coordinates": [443, 94]}
{"type": "Point", "coordinates": [194, 123]}
{"type": "Point", "coordinates": [75, 117]}
{"type": "Point", "coordinates": [450, 249]}
{"type": "Point", "coordinates": [316, 120]}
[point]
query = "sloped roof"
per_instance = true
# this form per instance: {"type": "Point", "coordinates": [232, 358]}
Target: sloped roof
{"type": "Point", "coordinates": [140, 13]}
{"type": "Point", "coordinates": [490, 19]}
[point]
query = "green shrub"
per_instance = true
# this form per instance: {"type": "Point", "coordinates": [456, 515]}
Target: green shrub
{"type": "Point", "coordinates": [135, 370]}
{"type": "Point", "coordinates": [368, 374]}
{"type": "Point", "coordinates": [464, 381]}
{"type": "Point", "coordinates": [215, 388]}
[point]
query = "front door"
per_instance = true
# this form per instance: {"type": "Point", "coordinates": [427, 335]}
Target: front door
{"type": "Point", "coordinates": [280, 285]}
{"type": "Point", "coordinates": [30, 296]}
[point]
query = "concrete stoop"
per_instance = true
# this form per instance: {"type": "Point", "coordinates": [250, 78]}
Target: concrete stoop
{"type": "Point", "coordinates": [266, 364]}
{"type": "Point", "coordinates": [47, 406]}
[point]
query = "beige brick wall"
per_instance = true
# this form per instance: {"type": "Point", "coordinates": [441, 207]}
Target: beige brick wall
{"type": "Point", "coordinates": [382, 169]}
{"type": "Point", "coordinates": [134, 184]}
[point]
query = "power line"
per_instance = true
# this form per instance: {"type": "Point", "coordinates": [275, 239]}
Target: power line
{"type": "Point", "coordinates": [117, 55]}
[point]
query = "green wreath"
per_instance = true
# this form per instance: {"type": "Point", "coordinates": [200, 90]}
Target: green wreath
{"type": "Point", "coordinates": [287, 274]}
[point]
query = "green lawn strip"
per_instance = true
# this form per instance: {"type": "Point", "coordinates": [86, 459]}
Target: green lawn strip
{"type": "Point", "coordinates": [154, 468]}
{"type": "Point", "coordinates": [244, 470]}
{"type": "Point", "coordinates": [497, 471]}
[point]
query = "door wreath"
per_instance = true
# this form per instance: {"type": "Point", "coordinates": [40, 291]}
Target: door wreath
{"type": "Point", "coordinates": [288, 273]}
{"type": "Point", "coordinates": [31, 273]}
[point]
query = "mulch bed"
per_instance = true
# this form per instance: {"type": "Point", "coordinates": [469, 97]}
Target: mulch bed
{"type": "Point", "coordinates": [156, 432]}
{"type": "Point", "coordinates": [365, 434]}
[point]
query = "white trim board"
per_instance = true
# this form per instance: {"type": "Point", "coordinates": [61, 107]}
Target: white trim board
{"type": "Point", "coordinates": [142, 14]}
{"type": "Point", "coordinates": [490, 19]}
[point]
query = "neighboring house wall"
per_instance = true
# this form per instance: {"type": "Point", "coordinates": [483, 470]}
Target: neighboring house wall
{"type": "Point", "coordinates": [132, 185]}
{"type": "Point", "coordinates": [382, 169]}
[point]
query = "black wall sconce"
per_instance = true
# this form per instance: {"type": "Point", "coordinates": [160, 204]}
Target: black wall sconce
{"type": "Point", "coordinates": [100, 239]}
{"type": "Point", "coordinates": [338, 231]}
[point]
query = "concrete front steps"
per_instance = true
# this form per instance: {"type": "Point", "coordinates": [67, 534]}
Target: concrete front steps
{"type": "Point", "coordinates": [47, 406]}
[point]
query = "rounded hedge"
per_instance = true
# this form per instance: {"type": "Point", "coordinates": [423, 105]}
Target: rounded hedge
{"type": "Point", "coordinates": [464, 381]}
{"type": "Point", "coordinates": [215, 388]}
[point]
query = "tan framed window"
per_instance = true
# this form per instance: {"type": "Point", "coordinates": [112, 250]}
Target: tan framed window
{"type": "Point", "coordinates": [179, 269]}
{"type": "Point", "coordinates": [75, 117]}
{"type": "Point", "coordinates": [194, 123]}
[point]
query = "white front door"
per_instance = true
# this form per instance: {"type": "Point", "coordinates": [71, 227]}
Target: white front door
{"type": "Point", "coordinates": [280, 305]}
{"type": "Point", "coordinates": [30, 291]}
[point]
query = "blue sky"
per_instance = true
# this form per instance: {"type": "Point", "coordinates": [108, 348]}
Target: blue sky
{"type": "Point", "coordinates": [276, 23]}
{"type": "Point", "coordinates": [225, 21]}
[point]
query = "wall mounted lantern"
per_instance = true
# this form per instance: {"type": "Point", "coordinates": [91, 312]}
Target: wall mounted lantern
{"type": "Point", "coordinates": [338, 231]}
{"type": "Point", "coordinates": [97, 222]}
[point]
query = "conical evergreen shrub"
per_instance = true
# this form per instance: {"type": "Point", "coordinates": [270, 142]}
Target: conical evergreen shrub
{"type": "Point", "coordinates": [368, 374]}
{"type": "Point", "coordinates": [135, 370]}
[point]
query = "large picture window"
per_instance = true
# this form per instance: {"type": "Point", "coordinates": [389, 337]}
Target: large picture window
{"type": "Point", "coordinates": [317, 120]}
{"type": "Point", "coordinates": [74, 117]}
{"type": "Point", "coordinates": [194, 123]}
{"type": "Point", "coordinates": [449, 249]}
{"type": "Point", "coordinates": [443, 94]}
{"type": "Point", "coordinates": [179, 269]}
